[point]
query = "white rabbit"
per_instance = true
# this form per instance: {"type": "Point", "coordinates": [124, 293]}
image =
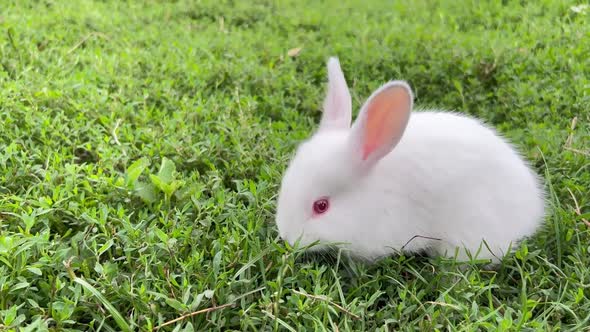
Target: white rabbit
{"type": "Point", "coordinates": [434, 181]}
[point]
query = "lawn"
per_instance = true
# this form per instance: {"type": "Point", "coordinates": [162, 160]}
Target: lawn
{"type": "Point", "coordinates": [142, 146]}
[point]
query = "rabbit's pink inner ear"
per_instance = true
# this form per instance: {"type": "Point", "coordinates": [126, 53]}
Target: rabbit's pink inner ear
{"type": "Point", "coordinates": [387, 116]}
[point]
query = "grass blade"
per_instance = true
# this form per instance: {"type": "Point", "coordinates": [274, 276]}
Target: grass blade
{"type": "Point", "coordinates": [116, 315]}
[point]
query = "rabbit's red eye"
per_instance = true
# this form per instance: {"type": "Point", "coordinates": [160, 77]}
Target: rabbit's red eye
{"type": "Point", "coordinates": [321, 206]}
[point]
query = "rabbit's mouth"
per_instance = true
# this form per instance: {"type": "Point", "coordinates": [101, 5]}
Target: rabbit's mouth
{"type": "Point", "coordinates": [320, 245]}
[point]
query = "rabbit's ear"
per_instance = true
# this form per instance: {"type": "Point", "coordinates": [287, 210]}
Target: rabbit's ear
{"type": "Point", "coordinates": [337, 105]}
{"type": "Point", "coordinates": [381, 123]}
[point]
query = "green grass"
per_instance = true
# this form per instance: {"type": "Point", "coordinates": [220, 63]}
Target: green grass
{"type": "Point", "coordinates": [142, 145]}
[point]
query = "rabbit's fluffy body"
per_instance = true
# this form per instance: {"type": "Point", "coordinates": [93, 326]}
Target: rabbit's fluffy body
{"type": "Point", "coordinates": [445, 181]}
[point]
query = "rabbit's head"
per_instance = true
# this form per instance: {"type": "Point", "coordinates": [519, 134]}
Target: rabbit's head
{"type": "Point", "coordinates": [323, 195]}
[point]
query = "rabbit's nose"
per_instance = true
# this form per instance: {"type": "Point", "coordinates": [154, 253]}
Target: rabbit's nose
{"type": "Point", "coordinates": [284, 236]}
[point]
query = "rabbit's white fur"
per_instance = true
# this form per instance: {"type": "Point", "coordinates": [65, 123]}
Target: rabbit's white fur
{"type": "Point", "coordinates": [446, 178]}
